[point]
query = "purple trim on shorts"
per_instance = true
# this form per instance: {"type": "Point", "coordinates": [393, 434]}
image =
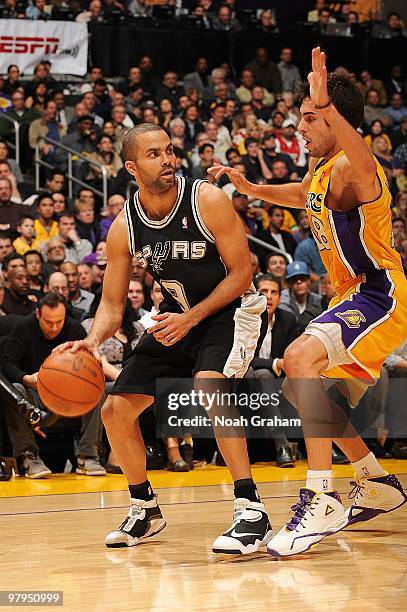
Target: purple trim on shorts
{"type": "Point", "coordinates": [373, 301]}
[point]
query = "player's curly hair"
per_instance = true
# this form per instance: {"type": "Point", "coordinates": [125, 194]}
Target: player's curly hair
{"type": "Point", "coordinates": [345, 96]}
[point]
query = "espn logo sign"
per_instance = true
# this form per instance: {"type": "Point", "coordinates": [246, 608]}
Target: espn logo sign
{"type": "Point", "coordinates": [29, 44]}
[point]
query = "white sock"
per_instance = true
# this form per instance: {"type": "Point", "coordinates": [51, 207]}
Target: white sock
{"type": "Point", "coordinates": [319, 480]}
{"type": "Point", "coordinates": [368, 466]}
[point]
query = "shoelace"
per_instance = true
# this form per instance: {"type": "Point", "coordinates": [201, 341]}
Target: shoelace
{"type": "Point", "coordinates": [300, 509]}
{"type": "Point", "coordinates": [356, 492]}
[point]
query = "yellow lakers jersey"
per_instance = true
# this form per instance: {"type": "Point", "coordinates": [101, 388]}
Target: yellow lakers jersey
{"type": "Point", "coordinates": [355, 242]}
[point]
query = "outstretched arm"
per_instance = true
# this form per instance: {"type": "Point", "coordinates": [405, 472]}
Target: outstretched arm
{"type": "Point", "coordinates": [360, 169]}
{"type": "Point", "coordinates": [292, 195]}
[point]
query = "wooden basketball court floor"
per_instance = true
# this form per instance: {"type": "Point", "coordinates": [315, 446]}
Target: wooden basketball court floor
{"type": "Point", "coordinates": [52, 538]}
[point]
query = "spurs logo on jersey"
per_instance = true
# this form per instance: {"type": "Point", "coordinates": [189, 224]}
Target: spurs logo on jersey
{"type": "Point", "coordinates": [175, 249]}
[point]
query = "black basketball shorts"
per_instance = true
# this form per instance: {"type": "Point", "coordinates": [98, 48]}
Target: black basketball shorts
{"type": "Point", "coordinates": [226, 343]}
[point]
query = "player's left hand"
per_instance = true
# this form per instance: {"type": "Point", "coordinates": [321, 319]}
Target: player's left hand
{"type": "Point", "coordinates": [170, 327]}
{"type": "Point", "coordinates": [318, 78]}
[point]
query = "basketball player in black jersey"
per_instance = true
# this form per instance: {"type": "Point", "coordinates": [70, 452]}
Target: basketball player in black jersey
{"type": "Point", "coordinates": [189, 238]}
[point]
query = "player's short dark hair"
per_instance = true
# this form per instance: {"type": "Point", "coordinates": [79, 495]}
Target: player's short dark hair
{"type": "Point", "coordinates": [11, 257]}
{"type": "Point", "coordinates": [267, 277]}
{"type": "Point", "coordinates": [345, 96]}
{"type": "Point", "coordinates": [51, 299]}
{"type": "Point", "coordinates": [130, 138]}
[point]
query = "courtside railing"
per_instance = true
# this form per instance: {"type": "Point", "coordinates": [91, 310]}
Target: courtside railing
{"type": "Point", "coordinates": [16, 144]}
{"type": "Point", "coordinates": [70, 155]}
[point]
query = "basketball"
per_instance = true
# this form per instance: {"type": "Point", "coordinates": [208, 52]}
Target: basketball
{"type": "Point", "coordinates": [71, 384]}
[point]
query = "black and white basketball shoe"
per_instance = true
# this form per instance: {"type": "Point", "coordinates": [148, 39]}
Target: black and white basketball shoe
{"type": "Point", "coordinates": [250, 529]}
{"type": "Point", "coordinates": [143, 521]}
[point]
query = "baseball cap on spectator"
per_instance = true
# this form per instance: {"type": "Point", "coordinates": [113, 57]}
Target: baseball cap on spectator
{"type": "Point", "coordinates": [84, 118]}
{"type": "Point", "coordinates": [289, 123]}
{"type": "Point", "coordinates": [296, 268]}
{"type": "Point", "coordinates": [94, 258]}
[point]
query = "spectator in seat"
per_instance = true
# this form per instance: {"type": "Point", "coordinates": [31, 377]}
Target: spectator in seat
{"type": "Point", "coordinates": [251, 161]}
{"type": "Point", "coordinates": [83, 140]}
{"type": "Point", "coordinates": [312, 16]}
{"type": "Point", "coordinates": [6, 246]}
{"type": "Point", "coordinates": [366, 83]}
{"type": "Point", "coordinates": [55, 182]}
{"type": "Point", "coordinates": [26, 241]}
{"type": "Point", "coordinates": [10, 212]}
{"type": "Point", "coordinates": [275, 235]}
{"type": "Point", "coordinates": [80, 298]}
{"type": "Point", "coordinates": [85, 278]}
{"type": "Point", "coordinates": [24, 117]}
{"type": "Point", "coordinates": [18, 298]}
{"type": "Point", "coordinates": [6, 172]}
{"type": "Point", "coordinates": [170, 89]}
{"type": "Point", "coordinates": [199, 79]}
{"type": "Point", "coordinates": [265, 71]}
{"type": "Point", "coordinates": [98, 265]}
{"type": "Point", "coordinates": [137, 298]}
{"type": "Point", "coordinates": [60, 203]}
{"type": "Point", "coordinates": [282, 329]}
{"type": "Point", "coordinates": [45, 227]}
{"type": "Point", "coordinates": [47, 126]}
{"type": "Point", "coordinates": [115, 204]}
{"type": "Point", "coordinates": [34, 263]}
{"type": "Point", "coordinates": [76, 248]}
{"type": "Point", "coordinates": [30, 342]}
{"type": "Point", "coordinates": [292, 144]}
{"type": "Point", "coordinates": [377, 128]}
{"type": "Point", "coordinates": [207, 155]}
{"type": "Point", "coordinates": [54, 253]}
{"type": "Point", "coordinates": [290, 74]}
{"type": "Point", "coordinates": [58, 283]}
{"type": "Point", "coordinates": [156, 297]}
{"type": "Point", "coordinates": [241, 205]}
{"type": "Point", "coordinates": [303, 230]}
{"type": "Point", "coordinates": [108, 157]}
{"type": "Point", "coordinates": [87, 225]}
{"type": "Point", "coordinates": [373, 110]}
{"type": "Point", "coordinates": [298, 298]}
{"type": "Point", "coordinates": [276, 265]}
{"type": "Point", "coordinates": [224, 20]}
{"type": "Point", "coordinates": [4, 157]}
{"type": "Point", "coordinates": [396, 110]}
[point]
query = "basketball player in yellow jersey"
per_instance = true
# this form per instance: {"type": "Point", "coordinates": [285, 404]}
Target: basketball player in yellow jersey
{"type": "Point", "coordinates": [348, 204]}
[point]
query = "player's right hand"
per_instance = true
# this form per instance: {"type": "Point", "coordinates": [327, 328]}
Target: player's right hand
{"type": "Point", "coordinates": [75, 345]}
{"type": "Point", "coordinates": [239, 181]}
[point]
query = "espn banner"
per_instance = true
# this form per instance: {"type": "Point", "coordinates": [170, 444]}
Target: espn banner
{"type": "Point", "coordinates": [26, 43]}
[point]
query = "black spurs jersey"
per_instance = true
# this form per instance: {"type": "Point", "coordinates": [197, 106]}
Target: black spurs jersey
{"type": "Point", "coordinates": [178, 251]}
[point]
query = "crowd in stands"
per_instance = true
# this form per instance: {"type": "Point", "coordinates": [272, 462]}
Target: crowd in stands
{"type": "Point", "coordinates": [53, 247]}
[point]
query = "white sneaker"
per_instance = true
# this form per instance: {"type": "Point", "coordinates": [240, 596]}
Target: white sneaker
{"type": "Point", "coordinates": [249, 531]}
{"type": "Point", "coordinates": [316, 515]}
{"type": "Point", "coordinates": [143, 521]}
{"type": "Point", "coordinates": [374, 496]}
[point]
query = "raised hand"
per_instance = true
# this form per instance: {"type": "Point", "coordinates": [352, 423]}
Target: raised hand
{"type": "Point", "coordinates": [317, 79]}
{"type": "Point", "coordinates": [239, 181]}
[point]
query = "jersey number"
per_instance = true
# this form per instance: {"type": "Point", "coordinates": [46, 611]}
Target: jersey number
{"type": "Point", "coordinates": [177, 291]}
{"type": "Point", "coordinates": [318, 231]}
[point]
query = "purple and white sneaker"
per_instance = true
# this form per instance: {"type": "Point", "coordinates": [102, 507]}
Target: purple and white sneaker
{"type": "Point", "coordinates": [374, 496]}
{"type": "Point", "coordinates": [316, 515]}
